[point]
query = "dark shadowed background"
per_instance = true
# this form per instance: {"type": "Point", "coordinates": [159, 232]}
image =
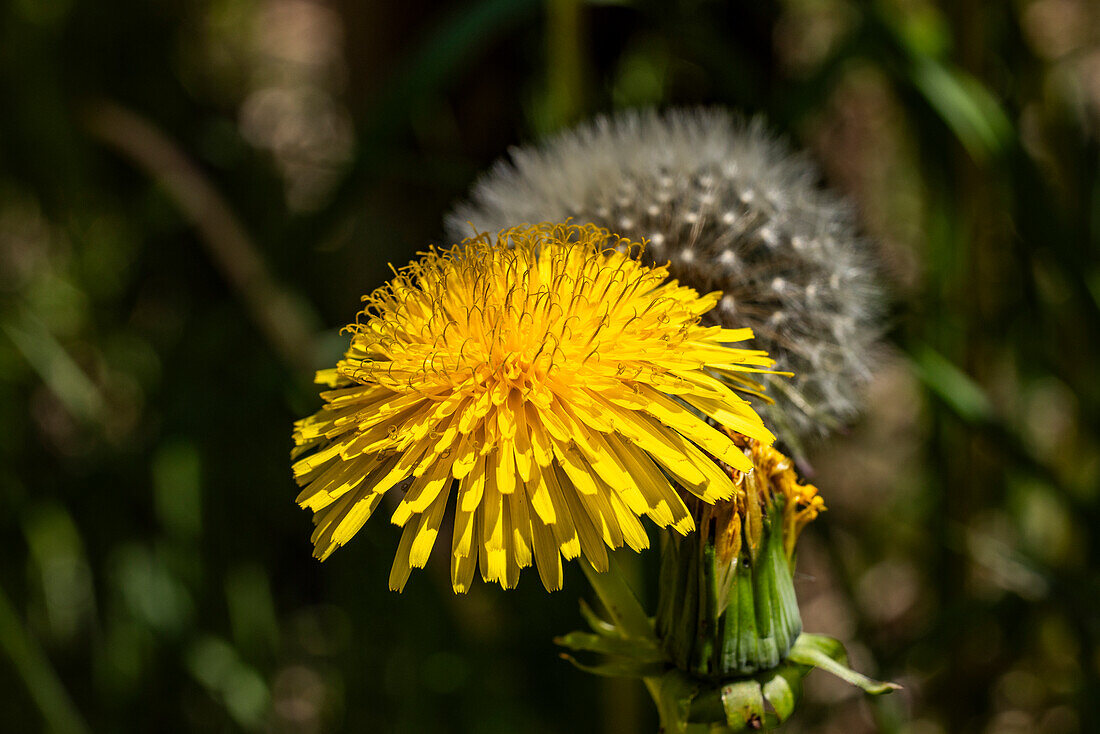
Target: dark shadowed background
{"type": "Point", "coordinates": [193, 196]}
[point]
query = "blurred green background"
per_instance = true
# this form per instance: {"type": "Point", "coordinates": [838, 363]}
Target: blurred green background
{"type": "Point", "coordinates": [193, 196]}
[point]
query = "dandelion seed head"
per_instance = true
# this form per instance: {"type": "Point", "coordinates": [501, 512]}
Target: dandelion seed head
{"type": "Point", "coordinates": [753, 216]}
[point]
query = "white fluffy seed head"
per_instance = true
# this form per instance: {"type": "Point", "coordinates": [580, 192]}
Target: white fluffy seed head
{"type": "Point", "coordinates": [732, 209]}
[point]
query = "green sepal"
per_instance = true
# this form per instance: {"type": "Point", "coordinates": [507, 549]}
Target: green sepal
{"type": "Point", "coordinates": [598, 624]}
{"type": "Point", "coordinates": [828, 654]}
{"type": "Point", "coordinates": [627, 656]}
{"type": "Point", "coordinates": [717, 705]}
{"type": "Point", "coordinates": [731, 618]}
{"type": "Point", "coordinates": [743, 703]}
{"type": "Point", "coordinates": [618, 667]}
{"type": "Point", "coordinates": [782, 688]}
{"type": "Point", "coordinates": [638, 650]}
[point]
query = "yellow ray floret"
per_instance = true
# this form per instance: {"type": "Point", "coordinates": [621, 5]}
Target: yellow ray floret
{"type": "Point", "coordinates": [559, 389]}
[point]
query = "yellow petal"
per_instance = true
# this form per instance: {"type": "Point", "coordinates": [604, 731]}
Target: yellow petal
{"type": "Point", "coordinates": [547, 558]}
{"type": "Point", "coordinates": [519, 513]}
{"type": "Point", "coordinates": [399, 572]}
{"type": "Point", "coordinates": [505, 468]}
{"type": "Point", "coordinates": [422, 492]}
{"type": "Point", "coordinates": [427, 530]}
{"type": "Point", "coordinates": [565, 532]}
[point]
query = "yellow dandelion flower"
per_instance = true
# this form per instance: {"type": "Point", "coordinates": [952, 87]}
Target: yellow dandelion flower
{"type": "Point", "coordinates": [554, 380]}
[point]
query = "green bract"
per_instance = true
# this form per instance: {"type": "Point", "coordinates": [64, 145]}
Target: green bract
{"type": "Point", "coordinates": [727, 617]}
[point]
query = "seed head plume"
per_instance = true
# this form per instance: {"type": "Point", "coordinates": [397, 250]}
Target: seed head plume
{"type": "Point", "coordinates": [729, 207]}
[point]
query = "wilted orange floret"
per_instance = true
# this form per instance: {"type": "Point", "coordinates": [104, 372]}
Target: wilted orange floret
{"type": "Point", "coordinates": [771, 487]}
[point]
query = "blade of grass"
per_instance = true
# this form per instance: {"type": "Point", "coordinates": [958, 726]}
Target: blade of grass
{"type": "Point", "coordinates": [282, 317]}
{"type": "Point", "coordinates": [43, 684]}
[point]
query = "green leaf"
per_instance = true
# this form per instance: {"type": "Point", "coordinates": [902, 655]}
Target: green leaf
{"type": "Point", "coordinates": [628, 647]}
{"type": "Point", "coordinates": [952, 385]}
{"type": "Point", "coordinates": [619, 600]}
{"type": "Point", "coordinates": [743, 702]}
{"type": "Point", "coordinates": [598, 624]}
{"type": "Point", "coordinates": [965, 105]}
{"type": "Point", "coordinates": [830, 646]}
{"type": "Point", "coordinates": [618, 667]}
{"type": "Point", "coordinates": [828, 654]}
